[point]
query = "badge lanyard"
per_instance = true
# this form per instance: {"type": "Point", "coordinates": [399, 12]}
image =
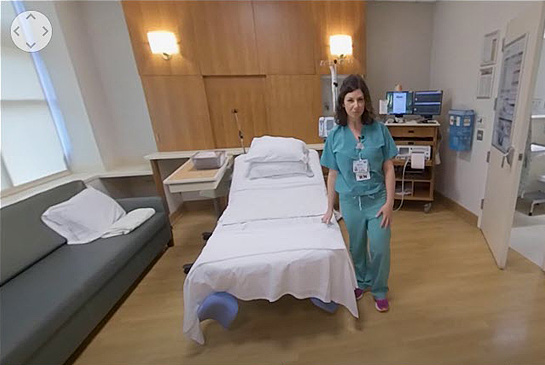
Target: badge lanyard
{"type": "Point", "coordinates": [360, 146]}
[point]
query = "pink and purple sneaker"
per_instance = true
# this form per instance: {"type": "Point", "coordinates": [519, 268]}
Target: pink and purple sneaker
{"type": "Point", "coordinates": [382, 304]}
{"type": "Point", "coordinates": [359, 292]}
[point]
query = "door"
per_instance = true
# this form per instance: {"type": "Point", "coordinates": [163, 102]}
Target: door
{"type": "Point", "coordinates": [521, 51]}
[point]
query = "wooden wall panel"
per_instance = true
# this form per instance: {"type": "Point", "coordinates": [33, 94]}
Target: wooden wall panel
{"type": "Point", "coordinates": [179, 112]}
{"type": "Point", "coordinates": [340, 17]}
{"type": "Point", "coordinates": [247, 95]}
{"type": "Point", "coordinates": [294, 106]}
{"type": "Point", "coordinates": [145, 16]}
{"type": "Point", "coordinates": [225, 36]}
{"type": "Point", "coordinates": [261, 57]}
{"type": "Point", "coordinates": [285, 37]}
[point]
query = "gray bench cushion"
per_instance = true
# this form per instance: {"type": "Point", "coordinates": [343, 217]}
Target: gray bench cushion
{"type": "Point", "coordinates": [39, 300]}
{"type": "Point", "coordinates": [24, 237]}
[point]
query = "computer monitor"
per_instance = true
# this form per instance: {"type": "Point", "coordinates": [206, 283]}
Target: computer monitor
{"type": "Point", "coordinates": [400, 103]}
{"type": "Point", "coordinates": [427, 103]}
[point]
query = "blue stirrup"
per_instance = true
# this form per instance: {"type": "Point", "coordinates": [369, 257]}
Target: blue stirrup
{"type": "Point", "coordinates": [221, 306]}
{"type": "Point", "coordinates": [330, 307]}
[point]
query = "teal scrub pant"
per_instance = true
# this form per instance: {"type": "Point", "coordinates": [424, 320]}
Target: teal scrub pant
{"type": "Point", "coordinates": [371, 261]}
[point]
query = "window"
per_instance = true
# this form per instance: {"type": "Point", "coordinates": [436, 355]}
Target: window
{"type": "Point", "coordinates": [31, 132]}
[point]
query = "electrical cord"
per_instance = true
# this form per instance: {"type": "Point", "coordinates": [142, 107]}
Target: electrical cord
{"type": "Point", "coordinates": [402, 184]}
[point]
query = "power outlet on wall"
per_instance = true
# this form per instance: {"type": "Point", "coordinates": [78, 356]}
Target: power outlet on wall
{"type": "Point", "coordinates": [483, 121]}
{"type": "Point", "coordinates": [538, 104]}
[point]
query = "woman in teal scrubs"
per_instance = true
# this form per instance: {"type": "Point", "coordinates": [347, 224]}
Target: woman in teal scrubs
{"type": "Point", "coordinates": [358, 153]}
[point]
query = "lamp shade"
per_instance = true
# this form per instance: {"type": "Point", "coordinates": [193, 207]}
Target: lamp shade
{"type": "Point", "coordinates": [340, 45]}
{"type": "Point", "coordinates": [163, 43]}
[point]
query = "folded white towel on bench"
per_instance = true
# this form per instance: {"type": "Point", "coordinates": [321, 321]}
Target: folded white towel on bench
{"type": "Point", "coordinates": [129, 222]}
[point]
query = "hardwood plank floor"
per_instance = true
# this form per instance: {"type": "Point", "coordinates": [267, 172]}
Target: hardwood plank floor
{"type": "Point", "coordinates": [450, 305]}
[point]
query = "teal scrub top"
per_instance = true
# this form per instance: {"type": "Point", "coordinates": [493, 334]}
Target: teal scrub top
{"type": "Point", "coordinates": [340, 151]}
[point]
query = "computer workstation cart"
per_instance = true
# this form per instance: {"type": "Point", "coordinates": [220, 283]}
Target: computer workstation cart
{"type": "Point", "coordinates": [417, 142]}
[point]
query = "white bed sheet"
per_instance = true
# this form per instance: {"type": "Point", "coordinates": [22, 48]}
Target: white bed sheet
{"type": "Point", "coordinates": [259, 251]}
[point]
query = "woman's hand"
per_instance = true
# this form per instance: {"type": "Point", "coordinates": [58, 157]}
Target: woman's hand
{"type": "Point", "coordinates": [326, 218]}
{"type": "Point", "coordinates": [387, 210]}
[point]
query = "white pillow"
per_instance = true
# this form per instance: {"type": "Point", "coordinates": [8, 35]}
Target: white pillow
{"type": "Point", "coordinates": [257, 170]}
{"type": "Point", "coordinates": [277, 149]}
{"type": "Point", "coordinates": [84, 217]}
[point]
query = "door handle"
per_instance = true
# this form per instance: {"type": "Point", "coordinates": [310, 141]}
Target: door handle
{"type": "Point", "coordinates": [508, 156]}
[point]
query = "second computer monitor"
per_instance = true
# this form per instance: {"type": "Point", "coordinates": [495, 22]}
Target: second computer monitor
{"type": "Point", "coordinates": [428, 103]}
{"type": "Point", "coordinates": [400, 102]}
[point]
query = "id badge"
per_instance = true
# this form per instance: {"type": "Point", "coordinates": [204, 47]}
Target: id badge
{"type": "Point", "coordinates": [360, 166]}
{"type": "Point", "coordinates": [361, 169]}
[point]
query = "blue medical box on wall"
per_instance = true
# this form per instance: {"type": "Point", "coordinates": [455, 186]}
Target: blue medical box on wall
{"type": "Point", "coordinates": [460, 129]}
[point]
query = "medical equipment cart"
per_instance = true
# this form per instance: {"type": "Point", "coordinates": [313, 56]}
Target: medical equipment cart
{"type": "Point", "coordinates": [418, 184]}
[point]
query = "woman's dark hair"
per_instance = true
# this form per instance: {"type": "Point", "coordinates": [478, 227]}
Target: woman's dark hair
{"type": "Point", "coordinates": [352, 83]}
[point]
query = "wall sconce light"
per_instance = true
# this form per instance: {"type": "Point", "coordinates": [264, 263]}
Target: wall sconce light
{"type": "Point", "coordinates": [340, 46]}
{"type": "Point", "coordinates": [163, 43]}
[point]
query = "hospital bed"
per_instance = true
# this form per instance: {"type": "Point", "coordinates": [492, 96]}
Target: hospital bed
{"type": "Point", "coordinates": [270, 242]}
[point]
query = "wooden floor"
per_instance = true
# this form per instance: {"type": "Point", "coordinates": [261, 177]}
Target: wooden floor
{"type": "Point", "coordinates": [450, 305]}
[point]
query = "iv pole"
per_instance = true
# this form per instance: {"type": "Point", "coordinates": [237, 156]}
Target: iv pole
{"type": "Point", "coordinates": [240, 134]}
{"type": "Point", "coordinates": [334, 84]}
